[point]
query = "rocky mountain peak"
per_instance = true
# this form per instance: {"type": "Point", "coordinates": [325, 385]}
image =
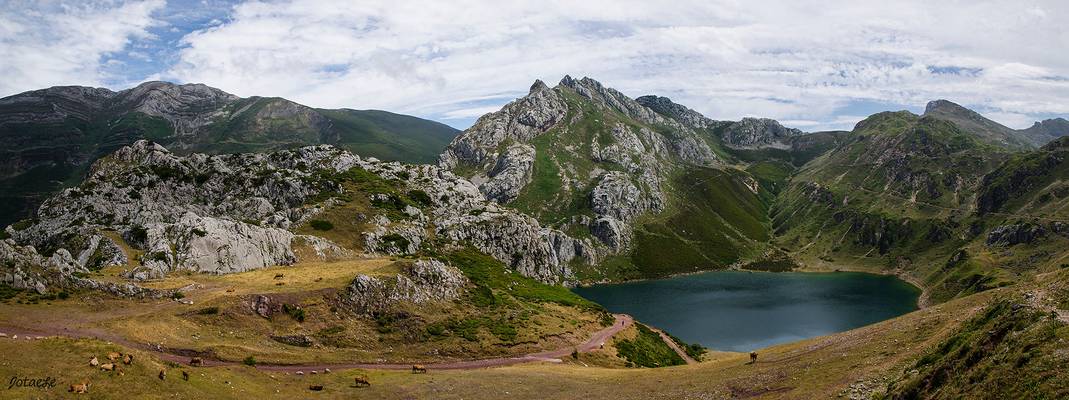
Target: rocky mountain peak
{"type": "Point", "coordinates": [759, 132]}
{"type": "Point", "coordinates": [973, 123]}
{"type": "Point", "coordinates": [948, 109]}
{"type": "Point", "coordinates": [665, 106]}
{"type": "Point", "coordinates": [538, 86]}
{"type": "Point", "coordinates": [1048, 129]}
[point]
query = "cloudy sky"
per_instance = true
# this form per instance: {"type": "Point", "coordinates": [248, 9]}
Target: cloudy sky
{"type": "Point", "coordinates": [812, 64]}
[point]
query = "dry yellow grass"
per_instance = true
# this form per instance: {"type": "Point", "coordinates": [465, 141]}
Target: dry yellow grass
{"type": "Point", "coordinates": [822, 367]}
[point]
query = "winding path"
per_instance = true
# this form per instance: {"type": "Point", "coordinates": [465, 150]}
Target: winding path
{"type": "Point", "coordinates": [182, 356]}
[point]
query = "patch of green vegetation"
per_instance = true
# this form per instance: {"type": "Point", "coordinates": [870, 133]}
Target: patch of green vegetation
{"type": "Point", "coordinates": [208, 311]}
{"type": "Point", "coordinates": [320, 225]}
{"type": "Point", "coordinates": [250, 361]}
{"type": "Point", "coordinates": [694, 350]}
{"type": "Point", "coordinates": [294, 311]}
{"type": "Point", "coordinates": [396, 240]}
{"type": "Point", "coordinates": [22, 224]}
{"type": "Point", "coordinates": [647, 349]}
{"type": "Point", "coordinates": [1009, 351]}
{"type": "Point", "coordinates": [489, 273]}
{"type": "Point", "coordinates": [7, 292]}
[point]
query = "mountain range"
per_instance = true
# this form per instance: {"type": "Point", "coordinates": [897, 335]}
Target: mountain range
{"type": "Point", "coordinates": [169, 189]}
{"type": "Point", "coordinates": [52, 135]}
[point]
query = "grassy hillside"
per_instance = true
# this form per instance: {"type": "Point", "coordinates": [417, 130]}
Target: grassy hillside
{"type": "Point", "coordinates": [715, 222]}
{"type": "Point", "coordinates": [388, 136]}
{"type": "Point", "coordinates": [998, 344]}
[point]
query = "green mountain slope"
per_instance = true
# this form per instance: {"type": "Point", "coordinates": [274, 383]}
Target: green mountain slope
{"type": "Point", "coordinates": [926, 199]}
{"type": "Point", "coordinates": [657, 188]}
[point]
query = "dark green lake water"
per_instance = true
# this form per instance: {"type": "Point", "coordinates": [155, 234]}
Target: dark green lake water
{"type": "Point", "coordinates": [743, 311]}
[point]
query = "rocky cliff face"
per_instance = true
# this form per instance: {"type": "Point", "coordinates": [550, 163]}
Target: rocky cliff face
{"type": "Point", "coordinates": [750, 133]}
{"type": "Point", "coordinates": [585, 144]}
{"type": "Point", "coordinates": [425, 281]}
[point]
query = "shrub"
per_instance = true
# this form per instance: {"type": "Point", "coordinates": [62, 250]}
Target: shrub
{"type": "Point", "coordinates": [63, 295]}
{"type": "Point", "coordinates": [420, 197]}
{"type": "Point", "coordinates": [250, 361]}
{"type": "Point", "coordinates": [157, 256]}
{"type": "Point", "coordinates": [321, 225]}
{"type": "Point", "coordinates": [208, 311]}
{"type": "Point", "coordinates": [177, 295]}
{"type": "Point", "coordinates": [22, 224]}
{"type": "Point", "coordinates": [296, 312]}
{"type": "Point", "coordinates": [648, 349]}
{"type": "Point", "coordinates": [397, 240]}
{"type": "Point", "coordinates": [138, 234]}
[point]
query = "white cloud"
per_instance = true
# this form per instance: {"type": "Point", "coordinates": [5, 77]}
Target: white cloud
{"type": "Point", "coordinates": [50, 44]}
{"type": "Point", "coordinates": [806, 61]}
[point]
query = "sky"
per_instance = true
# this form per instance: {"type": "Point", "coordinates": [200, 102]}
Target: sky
{"type": "Point", "coordinates": [813, 65]}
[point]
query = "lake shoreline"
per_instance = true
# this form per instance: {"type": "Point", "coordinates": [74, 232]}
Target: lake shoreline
{"type": "Point", "coordinates": [923, 299]}
{"type": "Point", "coordinates": [762, 309]}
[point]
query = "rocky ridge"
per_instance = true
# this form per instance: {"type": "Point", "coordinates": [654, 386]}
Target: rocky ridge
{"type": "Point", "coordinates": [232, 213]}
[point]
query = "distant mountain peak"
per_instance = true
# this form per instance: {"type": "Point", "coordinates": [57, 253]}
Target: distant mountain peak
{"type": "Point", "coordinates": [538, 86]}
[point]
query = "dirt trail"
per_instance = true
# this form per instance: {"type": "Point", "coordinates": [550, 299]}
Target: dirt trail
{"type": "Point", "coordinates": [672, 343]}
{"type": "Point", "coordinates": [182, 355]}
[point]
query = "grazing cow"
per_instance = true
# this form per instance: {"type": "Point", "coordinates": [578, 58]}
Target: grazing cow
{"type": "Point", "coordinates": [80, 388]}
{"type": "Point", "coordinates": [279, 276]}
{"type": "Point", "coordinates": [315, 387]}
{"type": "Point", "coordinates": [94, 362]}
{"type": "Point", "coordinates": [185, 376]}
{"type": "Point", "coordinates": [107, 367]}
{"type": "Point", "coordinates": [230, 290]}
{"type": "Point", "coordinates": [128, 359]}
{"type": "Point", "coordinates": [753, 357]}
{"type": "Point", "coordinates": [119, 370]}
{"type": "Point", "coordinates": [113, 356]}
{"type": "Point", "coordinates": [419, 369]}
{"type": "Point", "coordinates": [163, 374]}
{"type": "Point", "coordinates": [196, 361]}
{"type": "Point", "coordinates": [361, 381]}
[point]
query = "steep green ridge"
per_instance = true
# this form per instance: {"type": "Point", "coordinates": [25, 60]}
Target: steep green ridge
{"type": "Point", "coordinates": [53, 135]}
{"type": "Point", "coordinates": [921, 197]}
{"type": "Point", "coordinates": [1011, 350]}
{"type": "Point", "coordinates": [716, 221]}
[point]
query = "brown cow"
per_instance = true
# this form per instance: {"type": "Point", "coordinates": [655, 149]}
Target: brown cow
{"type": "Point", "coordinates": [753, 357]}
{"type": "Point", "coordinates": [419, 369]}
{"type": "Point", "coordinates": [80, 388]}
{"type": "Point", "coordinates": [185, 376]}
{"type": "Point", "coordinates": [119, 370]}
{"type": "Point", "coordinates": [128, 359]}
{"type": "Point", "coordinates": [279, 276]}
{"type": "Point", "coordinates": [107, 367]}
{"type": "Point", "coordinates": [113, 356]}
{"type": "Point", "coordinates": [94, 362]}
{"type": "Point", "coordinates": [315, 387]}
{"type": "Point", "coordinates": [163, 374]}
{"type": "Point", "coordinates": [361, 381]}
{"type": "Point", "coordinates": [196, 361]}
